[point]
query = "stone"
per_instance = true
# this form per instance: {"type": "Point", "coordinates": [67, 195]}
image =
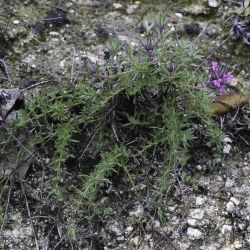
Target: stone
{"type": "Point", "coordinates": [194, 234]}
{"type": "Point", "coordinates": [197, 214]}
{"type": "Point", "coordinates": [213, 3]}
{"type": "Point", "coordinates": [135, 241]}
{"type": "Point", "coordinates": [226, 229]}
{"type": "Point", "coordinates": [230, 207]}
{"type": "Point", "coordinates": [229, 183]}
{"type": "Point", "coordinates": [16, 22]}
{"type": "Point", "coordinates": [192, 222]}
{"type": "Point", "coordinates": [117, 6]}
{"type": "Point", "coordinates": [235, 201]}
{"type": "Point", "coordinates": [138, 212]}
{"type": "Point", "coordinates": [192, 29]}
{"type": "Point", "coordinates": [246, 170]}
{"type": "Point", "coordinates": [227, 148]}
{"type": "Point", "coordinates": [200, 200]}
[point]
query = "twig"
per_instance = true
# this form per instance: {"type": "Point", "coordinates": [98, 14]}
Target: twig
{"type": "Point", "coordinates": [58, 243]}
{"type": "Point", "coordinates": [29, 214]}
{"type": "Point", "coordinates": [94, 132]}
{"type": "Point", "coordinates": [35, 85]}
{"type": "Point", "coordinates": [211, 52]}
{"type": "Point", "coordinates": [27, 150]}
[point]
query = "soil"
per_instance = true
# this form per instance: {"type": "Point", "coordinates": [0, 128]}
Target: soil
{"type": "Point", "coordinates": [209, 208]}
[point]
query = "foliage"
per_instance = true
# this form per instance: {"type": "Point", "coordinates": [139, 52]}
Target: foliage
{"type": "Point", "coordinates": [144, 105]}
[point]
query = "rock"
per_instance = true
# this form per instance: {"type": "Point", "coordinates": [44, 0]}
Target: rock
{"type": "Point", "coordinates": [197, 214]}
{"type": "Point", "coordinates": [156, 224]}
{"type": "Point", "coordinates": [200, 201]}
{"type": "Point", "coordinates": [138, 212]}
{"type": "Point", "coordinates": [114, 227]}
{"type": "Point", "coordinates": [230, 207]}
{"type": "Point", "coordinates": [235, 201]}
{"type": "Point", "coordinates": [199, 167]}
{"type": "Point", "coordinates": [117, 6]}
{"type": "Point", "coordinates": [132, 7]}
{"type": "Point", "coordinates": [135, 241]}
{"type": "Point", "coordinates": [8, 98]}
{"type": "Point", "coordinates": [192, 29]}
{"type": "Point", "coordinates": [246, 170]}
{"type": "Point", "coordinates": [197, 10]}
{"type": "Point", "coordinates": [229, 183]}
{"type": "Point", "coordinates": [192, 222]}
{"type": "Point", "coordinates": [226, 229]}
{"type": "Point", "coordinates": [213, 3]}
{"type": "Point", "coordinates": [16, 22]}
{"type": "Point", "coordinates": [194, 234]}
{"type": "Point", "coordinates": [179, 15]}
{"type": "Point", "coordinates": [227, 148]}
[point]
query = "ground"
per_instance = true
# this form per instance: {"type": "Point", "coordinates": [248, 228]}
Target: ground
{"type": "Point", "coordinates": [209, 208]}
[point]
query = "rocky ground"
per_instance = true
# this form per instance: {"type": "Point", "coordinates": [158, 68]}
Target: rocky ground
{"type": "Point", "coordinates": [41, 41]}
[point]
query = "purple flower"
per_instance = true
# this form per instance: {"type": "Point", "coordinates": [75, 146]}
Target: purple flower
{"type": "Point", "coordinates": [228, 77]}
{"type": "Point", "coordinates": [215, 66]}
{"type": "Point", "coordinates": [217, 83]}
{"type": "Point", "coordinates": [219, 78]}
{"type": "Point", "coordinates": [222, 89]}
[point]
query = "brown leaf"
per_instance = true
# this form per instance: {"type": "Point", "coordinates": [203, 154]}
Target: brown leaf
{"type": "Point", "coordinates": [226, 102]}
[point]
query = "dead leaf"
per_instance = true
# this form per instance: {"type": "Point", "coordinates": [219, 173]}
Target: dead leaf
{"type": "Point", "coordinates": [226, 102]}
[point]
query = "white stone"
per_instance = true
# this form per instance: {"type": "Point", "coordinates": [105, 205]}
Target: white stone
{"type": "Point", "coordinates": [213, 3]}
{"type": "Point", "coordinates": [194, 234]}
{"type": "Point", "coordinates": [200, 200]}
{"type": "Point", "coordinates": [229, 183]}
{"type": "Point", "coordinates": [192, 222]}
{"type": "Point", "coordinates": [226, 229]}
{"type": "Point", "coordinates": [16, 22]}
{"type": "Point", "coordinates": [227, 148]}
{"type": "Point", "coordinates": [227, 139]}
{"type": "Point", "coordinates": [54, 33]}
{"type": "Point", "coordinates": [132, 7]}
{"type": "Point", "coordinates": [235, 201]}
{"type": "Point", "coordinates": [117, 5]}
{"type": "Point", "coordinates": [197, 214]}
{"type": "Point", "coordinates": [199, 167]}
{"type": "Point", "coordinates": [134, 241]}
{"type": "Point", "coordinates": [178, 14]}
{"type": "Point", "coordinates": [230, 207]}
{"type": "Point", "coordinates": [157, 224]}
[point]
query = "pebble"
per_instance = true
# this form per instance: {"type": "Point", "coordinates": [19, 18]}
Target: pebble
{"type": "Point", "coordinates": [227, 148]}
{"type": "Point", "coordinates": [197, 214]}
{"type": "Point", "coordinates": [179, 15]}
{"type": "Point", "coordinates": [194, 234]}
{"type": "Point", "coordinates": [246, 170]}
{"type": "Point", "coordinates": [235, 201]}
{"type": "Point", "coordinates": [16, 22]}
{"type": "Point", "coordinates": [226, 229]}
{"type": "Point", "coordinates": [213, 3]}
{"type": "Point", "coordinates": [117, 6]}
{"type": "Point", "coordinates": [138, 212]}
{"type": "Point", "coordinates": [200, 201]}
{"type": "Point", "coordinates": [229, 183]}
{"type": "Point", "coordinates": [192, 222]}
{"type": "Point", "coordinates": [230, 207]}
{"type": "Point", "coordinates": [134, 241]}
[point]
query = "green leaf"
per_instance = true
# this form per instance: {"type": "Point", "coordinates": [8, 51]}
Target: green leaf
{"type": "Point", "coordinates": [247, 12]}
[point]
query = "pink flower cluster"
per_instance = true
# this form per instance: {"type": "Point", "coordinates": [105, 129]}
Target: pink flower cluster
{"type": "Point", "coordinates": [219, 79]}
